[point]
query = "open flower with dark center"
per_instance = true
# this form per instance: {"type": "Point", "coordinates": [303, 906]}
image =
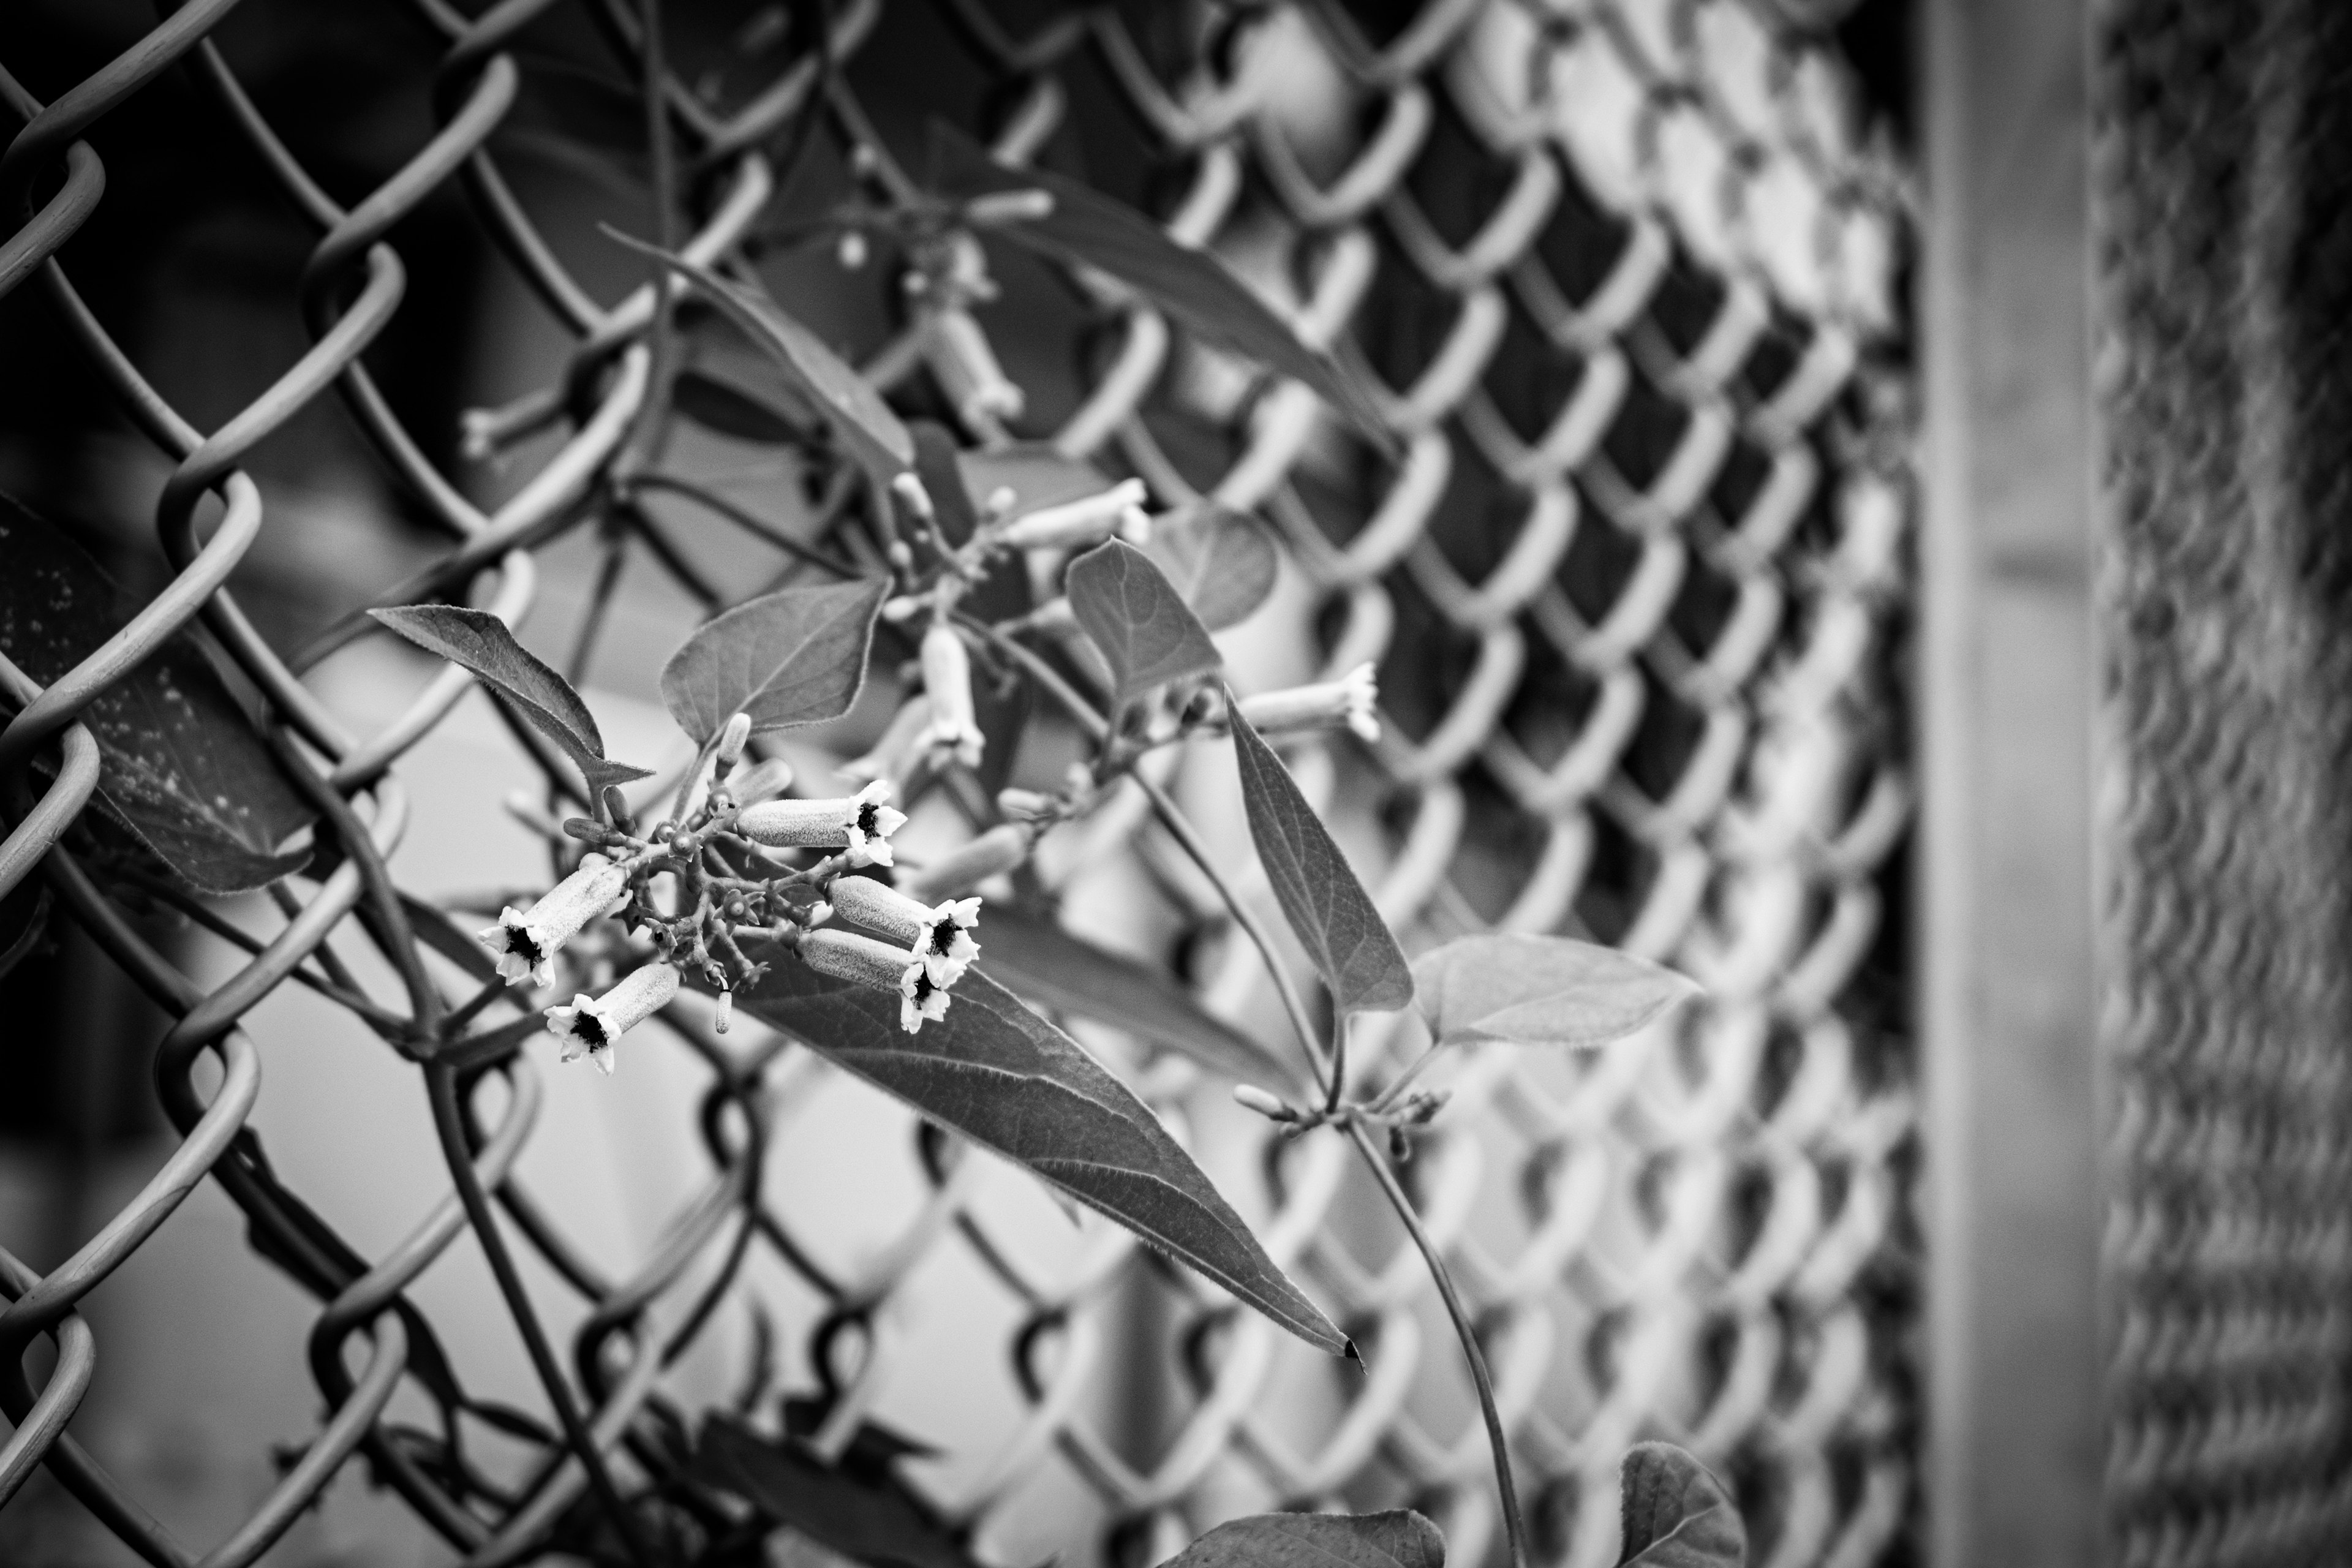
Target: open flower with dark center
{"type": "Point", "coordinates": [939, 935]}
{"type": "Point", "coordinates": [593, 1025]}
{"type": "Point", "coordinates": [861, 824]}
{"type": "Point", "coordinates": [920, 997]}
{"type": "Point", "coordinates": [525, 941]}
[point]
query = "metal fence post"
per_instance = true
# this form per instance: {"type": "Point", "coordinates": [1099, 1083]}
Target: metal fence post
{"type": "Point", "coordinates": [2006, 918]}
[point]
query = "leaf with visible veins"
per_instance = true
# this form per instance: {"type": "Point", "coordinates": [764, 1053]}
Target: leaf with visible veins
{"type": "Point", "coordinates": [1147, 633]}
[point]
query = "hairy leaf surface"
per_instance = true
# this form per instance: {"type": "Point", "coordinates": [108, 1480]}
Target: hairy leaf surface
{"type": "Point", "coordinates": [1147, 633]}
{"type": "Point", "coordinates": [1400, 1539]}
{"type": "Point", "coordinates": [793, 657]}
{"type": "Point", "coordinates": [1351, 946]}
{"type": "Point", "coordinates": [1055, 968]}
{"type": "Point", "coordinates": [1675, 1514]}
{"type": "Point", "coordinates": [1010, 1082]}
{"type": "Point", "coordinates": [179, 761]}
{"type": "Point", "coordinates": [1196, 287]}
{"type": "Point", "coordinates": [1540, 991]}
{"type": "Point", "coordinates": [478, 641]}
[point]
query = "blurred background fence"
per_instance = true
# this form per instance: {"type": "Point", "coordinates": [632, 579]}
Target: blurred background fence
{"type": "Point", "coordinates": [1633, 274]}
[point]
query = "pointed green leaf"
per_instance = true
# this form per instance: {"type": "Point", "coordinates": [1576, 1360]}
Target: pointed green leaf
{"type": "Point", "coordinates": [868, 1513]}
{"type": "Point", "coordinates": [1675, 1514]}
{"type": "Point", "coordinates": [1221, 561]}
{"type": "Point", "coordinates": [793, 657]}
{"type": "Point", "coordinates": [1089, 228]}
{"type": "Point", "coordinates": [1401, 1539]}
{"type": "Point", "coordinates": [1351, 946]}
{"type": "Point", "coordinates": [862, 422]}
{"type": "Point", "coordinates": [1147, 633]}
{"type": "Point", "coordinates": [478, 641]}
{"type": "Point", "coordinates": [1036, 957]}
{"type": "Point", "coordinates": [1540, 991]}
{"type": "Point", "coordinates": [1010, 1082]}
{"type": "Point", "coordinates": [179, 761]}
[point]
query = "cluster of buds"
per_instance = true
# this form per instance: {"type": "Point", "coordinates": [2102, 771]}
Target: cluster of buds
{"type": "Point", "coordinates": [732, 880]}
{"type": "Point", "coordinates": [1401, 1121]}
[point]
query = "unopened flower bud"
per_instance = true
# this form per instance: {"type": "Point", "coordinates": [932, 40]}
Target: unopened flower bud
{"type": "Point", "coordinates": [965, 363]}
{"type": "Point", "coordinates": [995, 852]}
{"type": "Point", "coordinates": [732, 740]}
{"type": "Point", "coordinates": [1351, 700]}
{"type": "Point", "coordinates": [861, 825]}
{"type": "Point", "coordinates": [616, 808]}
{"type": "Point", "coordinates": [726, 1011]}
{"type": "Point", "coordinates": [939, 934]}
{"type": "Point", "coordinates": [1252, 1097]}
{"type": "Point", "coordinates": [525, 941]}
{"type": "Point", "coordinates": [908, 488]}
{"type": "Point", "coordinates": [947, 681]}
{"type": "Point", "coordinates": [1025, 804]}
{"type": "Point", "coordinates": [1075, 524]}
{"type": "Point", "coordinates": [593, 1025]}
{"type": "Point", "coordinates": [753, 783]}
{"type": "Point", "coordinates": [1009, 206]}
{"type": "Point", "coordinates": [851, 251]}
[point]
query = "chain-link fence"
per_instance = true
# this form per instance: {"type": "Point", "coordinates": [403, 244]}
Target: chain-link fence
{"type": "Point", "coordinates": [1634, 582]}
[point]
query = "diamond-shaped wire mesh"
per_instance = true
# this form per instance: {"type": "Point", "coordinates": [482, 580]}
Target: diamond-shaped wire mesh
{"type": "Point", "coordinates": [1634, 583]}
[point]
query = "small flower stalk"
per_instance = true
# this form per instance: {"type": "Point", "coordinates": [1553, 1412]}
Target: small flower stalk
{"type": "Point", "coordinates": [860, 826]}
{"type": "Point", "coordinates": [593, 1025]}
{"type": "Point", "coordinates": [1352, 700]}
{"type": "Point", "coordinates": [525, 941]}
{"type": "Point", "coordinates": [946, 682]}
{"type": "Point", "coordinates": [939, 934]}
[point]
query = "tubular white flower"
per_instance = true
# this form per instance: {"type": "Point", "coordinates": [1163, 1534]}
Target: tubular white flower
{"type": "Point", "coordinates": [876, 965]}
{"type": "Point", "coordinates": [900, 736]}
{"type": "Point", "coordinates": [593, 1025]}
{"type": "Point", "coordinates": [939, 935]}
{"type": "Point", "coordinates": [1074, 524]}
{"type": "Point", "coordinates": [1351, 700]}
{"type": "Point", "coordinates": [996, 851]}
{"type": "Point", "coordinates": [751, 783]}
{"type": "Point", "coordinates": [861, 825]}
{"type": "Point", "coordinates": [525, 941]}
{"type": "Point", "coordinates": [947, 681]}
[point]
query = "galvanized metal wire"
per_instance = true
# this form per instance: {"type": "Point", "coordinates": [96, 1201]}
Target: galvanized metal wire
{"type": "Point", "coordinates": [1635, 584]}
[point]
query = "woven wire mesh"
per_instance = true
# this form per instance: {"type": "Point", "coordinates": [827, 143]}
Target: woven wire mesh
{"type": "Point", "coordinates": [2220, 200]}
{"type": "Point", "coordinates": [1635, 587]}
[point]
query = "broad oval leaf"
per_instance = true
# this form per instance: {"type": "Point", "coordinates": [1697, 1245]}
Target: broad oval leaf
{"type": "Point", "coordinates": [1400, 1539]}
{"type": "Point", "coordinates": [480, 642]}
{"type": "Point", "coordinates": [1352, 947]}
{"type": "Point", "coordinates": [1541, 991]}
{"type": "Point", "coordinates": [720, 402]}
{"type": "Point", "coordinates": [864, 424]}
{"type": "Point", "coordinates": [1147, 633]}
{"type": "Point", "coordinates": [793, 657]}
{"type": "Point", "coordinates": [179, 761]}
{"type": "Point", "coordinates": [1221, 561]}
{"type": "Point", "coordinates": [1037, 474]}
{"type": "Point", "coordinates": [937, 465]}
{"type": "Point", "coordinates": [1676, 1515]}
{"type": "Point", "coordinates": [863, 1512]}
{"type": "Point", "coordinates": [1090, 229]}
{"type": "Point", "coordinates": [1037, 958]}
{"type": "Point", "coordinates": [1007, 1079]}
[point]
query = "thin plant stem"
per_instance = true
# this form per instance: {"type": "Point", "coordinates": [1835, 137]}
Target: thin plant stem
{"type": "Point", "coordinates": [1513, 1527]}
{"type": "Point", "coordinates": [1188, 838]}
{"type": "Point", "coordinates": [744, 520]}
{"type": "Point", "coordinates": [647, 433]}
{"type": "Point", "coordinates": [449, 1122]}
